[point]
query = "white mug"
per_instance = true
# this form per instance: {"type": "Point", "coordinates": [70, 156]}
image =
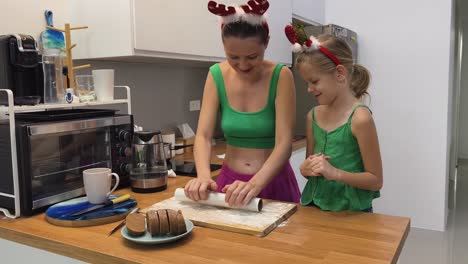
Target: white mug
{"type": "Point", "coordinates": [104, 84]}
{"type": "Point", "coordinates": [97, 183]}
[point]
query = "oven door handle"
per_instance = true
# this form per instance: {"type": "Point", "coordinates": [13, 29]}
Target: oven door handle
{"type": "Point", "coordinates": [76, 125]}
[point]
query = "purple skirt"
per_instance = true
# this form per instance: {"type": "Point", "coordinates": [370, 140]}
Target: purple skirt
{"type": "Point", "coordinates": [282, 188]}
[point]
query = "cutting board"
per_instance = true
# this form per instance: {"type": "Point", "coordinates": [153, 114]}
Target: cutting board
{"type": "Point", "coordinates": [234, 220]}
{"type": "Point", "coordinates": [61, 214]}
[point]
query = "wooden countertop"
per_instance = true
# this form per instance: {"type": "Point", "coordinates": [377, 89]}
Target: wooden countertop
{"type": "Point", "coordinates": [308, 236]}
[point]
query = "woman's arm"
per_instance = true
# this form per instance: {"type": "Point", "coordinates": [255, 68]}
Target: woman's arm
{"type": "Point", "coordinates": [196, 189]}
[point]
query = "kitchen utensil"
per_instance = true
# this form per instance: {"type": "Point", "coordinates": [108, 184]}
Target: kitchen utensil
{"type": "Point", "coordinates": [51, 39]}
{"type": "Point", "coordinates": [60, 214]}
{"type": "Point", "coordinates": [240, 221]}
{"type": "Point", "coordinates": [107, 203]}
{"type": "Point", "coordinates": [218, 199]}
{"type": "Point", "coordinates": [148, 172]}
{"type": "Point", "coordinates": [148, 239]}
{"type": "Point", "coordinates": [135, 210]}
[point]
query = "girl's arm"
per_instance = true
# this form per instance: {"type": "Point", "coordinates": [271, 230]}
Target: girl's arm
{"type": "Point", "coordinates": [363, 128]}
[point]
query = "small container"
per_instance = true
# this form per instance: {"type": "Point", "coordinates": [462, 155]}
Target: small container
{"type": "Point", "coordinates": [85, 88]}
{"type": "Point", "coordinates": [70, 95]}
{"type": "Point", "coordinates": [52, 63]}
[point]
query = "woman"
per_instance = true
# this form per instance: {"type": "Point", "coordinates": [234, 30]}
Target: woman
{"type": "Point", "coordinates": [256, 99]}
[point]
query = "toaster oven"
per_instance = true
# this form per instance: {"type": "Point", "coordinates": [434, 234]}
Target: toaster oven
{"type": "Point", "coordinates": [53, 154]}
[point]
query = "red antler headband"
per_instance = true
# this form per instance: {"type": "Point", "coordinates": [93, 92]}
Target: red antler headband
{"type": "Point", "coordinates": [252, 13]}
{"type": "Point", "coordinates": [308, 45]}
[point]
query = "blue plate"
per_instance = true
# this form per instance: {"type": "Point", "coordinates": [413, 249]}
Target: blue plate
{"type": "Point", "coordinates": [148, 239]}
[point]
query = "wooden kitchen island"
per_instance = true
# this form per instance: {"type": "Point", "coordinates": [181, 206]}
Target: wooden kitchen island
{"type": "Point", "coordinates": [308, 236]}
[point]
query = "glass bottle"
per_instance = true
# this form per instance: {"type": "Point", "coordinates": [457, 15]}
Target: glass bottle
{"type": "Point", "coordinates": [52, 63]}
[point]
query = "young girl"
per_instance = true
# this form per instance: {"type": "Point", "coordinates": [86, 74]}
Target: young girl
{"type": "Point", "coordinates": [343, 164]}
{"type": "Point", "coordinates": [256, 99]}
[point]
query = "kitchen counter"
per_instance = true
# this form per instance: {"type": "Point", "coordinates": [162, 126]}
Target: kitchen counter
{"type": "Point", "coordinates": [308, 236]}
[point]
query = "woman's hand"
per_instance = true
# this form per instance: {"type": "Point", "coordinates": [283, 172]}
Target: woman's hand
{"type": "Point", "coordinates": [197, 189]}
{"type": "Point", "coordinates": [240, 193]}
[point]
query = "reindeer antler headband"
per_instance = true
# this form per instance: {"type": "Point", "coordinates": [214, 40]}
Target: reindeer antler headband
{"type": "Point", "coordinates": [303, 44]}
{"type": "Point", "coordinates": [251, 13]}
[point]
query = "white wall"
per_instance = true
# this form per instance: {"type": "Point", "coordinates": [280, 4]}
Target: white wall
{"type": "Point", "coordinates": [312, 11]}
{"type": "Point", "coordinates": [27, 16]}
{"type": "Point", "coordinates": [406, 46]}
{"type": "Point", "coordinates": [463, 125]}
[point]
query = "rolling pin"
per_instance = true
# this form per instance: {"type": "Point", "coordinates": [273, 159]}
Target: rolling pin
{"type": "Point", "coordinates": [217, 199]}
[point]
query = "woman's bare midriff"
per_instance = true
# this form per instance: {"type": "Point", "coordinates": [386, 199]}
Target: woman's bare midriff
{"type": "Point", "coordinates": [246, 160]}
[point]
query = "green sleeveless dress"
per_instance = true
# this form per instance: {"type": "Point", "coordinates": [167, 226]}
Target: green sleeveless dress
{"type": "Point", "coordinates": [343, 148]}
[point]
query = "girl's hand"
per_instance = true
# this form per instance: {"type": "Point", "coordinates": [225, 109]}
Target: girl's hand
{"type": "Point", "coordinates": [320, 166]}
{"type": "Point", "coordinates": [307, 167]}
{"type": "Point", "coordinates": [197, 189]}
{"type": "Point", "coordinates": [240, 193]}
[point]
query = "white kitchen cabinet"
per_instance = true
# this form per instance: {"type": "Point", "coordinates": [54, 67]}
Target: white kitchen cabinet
{"type": "Point", "coordinates": [13, 252]}
{"type": "Point", "coordinates": [163, 29]}
{"type": "Point", "coordinates": [279, 15]}
{"type": "Point", "coordinates": [297, 157]}
{"type": "Point", "coordinates": [310, 11]}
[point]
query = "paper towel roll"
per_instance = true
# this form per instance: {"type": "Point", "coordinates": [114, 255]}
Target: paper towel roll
{"type": "Point", "coordinates": [217, 199]}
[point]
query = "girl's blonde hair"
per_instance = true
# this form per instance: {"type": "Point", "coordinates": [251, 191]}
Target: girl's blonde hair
{"type": "Point", "coordinates": [360, 76]}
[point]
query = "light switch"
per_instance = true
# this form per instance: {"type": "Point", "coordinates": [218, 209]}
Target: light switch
{"type": "Point", "coordinates": [194, 105]}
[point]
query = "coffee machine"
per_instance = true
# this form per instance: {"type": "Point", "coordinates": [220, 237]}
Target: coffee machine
{"type": "Point", "coordinates": [21, 69]}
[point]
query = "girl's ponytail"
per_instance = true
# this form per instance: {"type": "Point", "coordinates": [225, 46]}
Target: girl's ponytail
{"type": "Point", "coordinates": [360, 79]}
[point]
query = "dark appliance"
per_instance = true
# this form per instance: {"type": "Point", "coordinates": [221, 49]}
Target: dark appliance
{"type": "Point", "coordinates": [53, 154]}
{"type": "Point", "coordinates": [21, 69]}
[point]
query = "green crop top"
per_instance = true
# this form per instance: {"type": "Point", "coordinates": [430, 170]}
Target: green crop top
{"type": "Point", "coordinates": [247, 129]}
{"type": "Point", "coordinates": [343, 148]}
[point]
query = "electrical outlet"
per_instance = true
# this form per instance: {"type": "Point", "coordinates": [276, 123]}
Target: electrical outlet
{"type": "Point", "coordinates": [194, 105]}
